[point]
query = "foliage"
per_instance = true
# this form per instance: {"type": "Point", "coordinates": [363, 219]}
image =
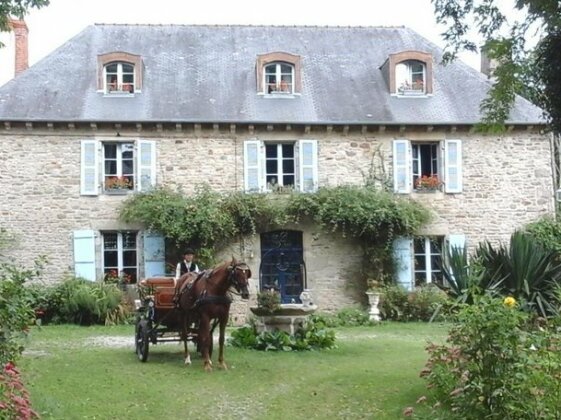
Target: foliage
{"type": "Point", "coordinates": [524, 270]}
{"type": "Point", "coordinates": [313, 336]}
{"type": "Point", "coordinates": [428, 183]}
{"type": "Point", "coordinates": [547, 232]}
{"type": "Point", "coordinates": [505, 41]}
{"type": "Point", "coordinates": [14, 398]}
{"type": "Point", "coordinates": [16, 313]}
{"type": "Point", "coordinates": [208, 220]}
{"type": "Point", "coordinates": [494, 365]}
{"type": "Point", "coordinates": [82, 302]}
{"type": "Point", "coordinates": [269, 300]}
{"type": "Point", "coordinates": [422, 304]}
{"type": "Point", "coordinates": [346, 317]}
{"type": "Point", "coordinates": [17, 8]}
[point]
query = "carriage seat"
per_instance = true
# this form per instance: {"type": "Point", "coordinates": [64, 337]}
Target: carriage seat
{"type": "Point", "coordinates": [164, 290]}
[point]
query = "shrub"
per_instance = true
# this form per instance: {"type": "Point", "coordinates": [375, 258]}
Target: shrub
{"type": "Point", "coordinates": [346, 317]}
{"type": "Point", "coordinates": [425, 303]}
{"type": "Point", "coordinates": [14, 398]}
{"type": "Point", "coordinates": [269, 300]}
{"type": "Point", "coordinates": [16, 312]}
{"type": "Point", "coordinates": [495, 365]}
{"type": "Point", "coordinates": [83, 302]}
{"type": "Point", "coordinates": [313, 336]}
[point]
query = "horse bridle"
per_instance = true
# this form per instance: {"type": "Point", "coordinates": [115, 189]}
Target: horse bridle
{"type": "Point", "coordinates": [232, 278]}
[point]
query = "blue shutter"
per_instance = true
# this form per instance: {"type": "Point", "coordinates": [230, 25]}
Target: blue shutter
{"type": "Point", "coordinates": [456, 241]}
{"type": "Point", "coordinates": [453, 166]}
{"type": "Point", "coordinates": [146, 161]}
{"type": "Point", "coordinates": [403, 260]}
{"type": "Point", "coordinates": [402, 177]}
{"type": "Point", "coordinates": [84, 254]}
{"type": "Point", "coordinates": [89, 168]}
{"type": "Point", "coordinates": [154, 255]}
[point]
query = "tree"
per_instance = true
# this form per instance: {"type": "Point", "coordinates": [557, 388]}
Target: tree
{"type": "Point", "coordinates": [533, 73]}
{"type": "Point", "coordinates": [17, 9]}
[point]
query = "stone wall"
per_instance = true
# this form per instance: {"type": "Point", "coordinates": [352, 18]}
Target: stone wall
{"type": "Point", "coordinates": [507, 183]}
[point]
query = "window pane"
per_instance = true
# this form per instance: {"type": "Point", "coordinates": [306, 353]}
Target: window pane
{"type": "Point", "coordinates": [419, 246]}
{"type": "Point", "coordinates": [435, 246]}
{"type": "Point", "coordinates": [129, 240]}
{"type": "Point", "coordinates": [110, 259]}
{"type": "Point", "coordinates": [110, 240]}
{"type": "Point", "coordinates": [127, 154]}
{"type": "Point", "coordinates": [129, 258]}
{"type": "Point", "coordinates": [272, 180]}
{"type": "Point", "coordinates": [272, 166]}
{"type": "Point", "coordinates": [110, 151]}
{"type": "Point", "coordinates": [111, 68]}
{"type": "Point", "coordinates": [286, 68]}
{"type": "Point", "coordinates": [416, 68]}
{"type": "Point", "coordinates": [271, 68]}
{"type": "Point", "coordinates": [111, 167]}
{"type": "Point", "coordinates": [288, 166]}
{"type": "Point", "coordinates": [420, 262]}
{"type": "Point", "coordinates": [130, 272]}
{"type": "Point", "coordinates": [127, 68]}
{"type": "Point", "coordinates": [287, 150]}
{"type": "Point", "coordinates": [271, 150]}
{"type": "Point", "coordinates": [288, 180]}
{"type": "Point", "coordinates": [128, 78]}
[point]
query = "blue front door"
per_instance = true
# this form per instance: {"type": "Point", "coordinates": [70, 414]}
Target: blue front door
{"type": "Point", "coordinates": [282, 264]}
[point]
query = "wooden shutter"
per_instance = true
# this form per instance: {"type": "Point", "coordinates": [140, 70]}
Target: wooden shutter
{"type": "Point", "coordinates": [89, 168]}
{"type": "Point", "coordinates": [308, 165]}
{"type": "Point", "coordinates": [154, 255]}
{"type": "Point", "coordinates": [146, 164]}
{"type": "Point", "coordinates": [453, 166]}
{"type": "Point", "coordinates": [403, 260]}
{"type": "Point", "coordinates": [456, 241]}
{"type": "Point", "coordinates": [84, 254]}
{"type": "Point", "coordinates": [253, 166]}
{"type": "Point", "coordinates": [402, 177]}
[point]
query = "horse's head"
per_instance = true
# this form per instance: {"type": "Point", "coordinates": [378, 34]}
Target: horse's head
{"type": "Point", "coordinates": [240, 274]}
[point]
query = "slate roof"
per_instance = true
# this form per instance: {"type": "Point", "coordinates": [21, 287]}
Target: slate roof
{"type": "Point", "coordinates": [207, 74]}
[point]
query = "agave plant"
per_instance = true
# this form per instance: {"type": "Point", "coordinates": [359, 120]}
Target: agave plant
{"type": "Point", "coordinates": [525, 269]}
{"type": "Point", "coordinates": [465, 279]}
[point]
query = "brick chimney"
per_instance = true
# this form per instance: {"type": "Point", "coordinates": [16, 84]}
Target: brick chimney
{"type": "Point", "coordinates": [488, 65]}
{"type": "Point", "coordinates": [21, 45]}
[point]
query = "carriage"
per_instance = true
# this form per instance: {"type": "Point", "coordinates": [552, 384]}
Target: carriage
{"type": "Point", "coordinates": [158, 319]}
{"type": "Point", "coordinates": [164, 315]}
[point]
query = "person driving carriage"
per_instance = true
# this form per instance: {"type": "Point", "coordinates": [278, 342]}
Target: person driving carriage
{"type": "Point", "coordinates": [187, 265]}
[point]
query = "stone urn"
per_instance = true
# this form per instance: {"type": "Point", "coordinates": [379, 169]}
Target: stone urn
{"type": "Point", "coordinates": [373, 301]}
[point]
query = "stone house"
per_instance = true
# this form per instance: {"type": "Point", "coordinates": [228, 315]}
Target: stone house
{"type": "Point", "coordinates": [251, 108]}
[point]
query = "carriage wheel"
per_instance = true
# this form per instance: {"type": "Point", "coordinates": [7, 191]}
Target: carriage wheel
{"type": "Point", "coordinates": [142, 340]}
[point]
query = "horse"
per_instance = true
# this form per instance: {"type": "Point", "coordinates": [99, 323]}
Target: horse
{"type": "Point", "coordinates": [204, 296]}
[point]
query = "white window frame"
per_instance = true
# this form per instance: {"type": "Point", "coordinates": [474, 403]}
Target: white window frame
{"type": "Point", "coordinates": [120, 253]}
{"type": "Point", "coordinates": [449, 165]}
{"type": "Point", "coordinates": [92, 169]}
{"type": "Point", "coordinates": [120, 74]}
{"type": "Point", "coordinates": [427, 254]}
{"type": "Point", "coordinates": [119, 163]}
{"type": "Point", "coordinates": [280, 167]}
{"type": "Point", "coordinates": [305, 164]}
{"type": "Point", "coordinates": [404, 70]}
{"type": "Point", "coordinates": [278, 78]}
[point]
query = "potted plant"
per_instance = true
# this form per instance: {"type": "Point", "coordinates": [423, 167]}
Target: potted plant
{"type": "Point", "coordinates": [428, 183]}
{"type": "Point", "coordinates": [118, 184]}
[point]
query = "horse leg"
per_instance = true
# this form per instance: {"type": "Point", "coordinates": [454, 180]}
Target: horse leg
{"type": "Point", "coordinates": [186, 354]}
{"type": "Point", "coordinates": [221, 363]}
{"type": "Point", "coordinates": [204, 333]}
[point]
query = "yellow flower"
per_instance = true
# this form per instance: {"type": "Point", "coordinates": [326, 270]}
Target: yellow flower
{"type": "Point", "coordinates": [509, 302]}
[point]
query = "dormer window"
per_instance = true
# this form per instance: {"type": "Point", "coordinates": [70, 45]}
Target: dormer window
{"type": "Point", "coordinates": [119, 78]}
{"type": "Point", "coordinates": [410, 78]}
{"type": "Point", "coordinates": [409, 73]}
{"type": "Point", "coordinates": [279, 75]}
{"type": "Point", "coordinates": [119, 73]}
{"type": "Point", "coordinates": [279, 78]}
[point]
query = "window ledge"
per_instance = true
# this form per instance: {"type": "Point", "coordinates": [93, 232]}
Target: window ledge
{"type": "Point", "coordinates": [411, 96]}
{"type": "Point", "coordinates": [427, 195]}
{"type": "Point", "coordinates": [279, 95]}
{"type": "Point", "coordinates": [118, 192]}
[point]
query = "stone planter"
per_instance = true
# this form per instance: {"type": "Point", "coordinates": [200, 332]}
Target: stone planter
{"type": "Point", "coordinates": [373, 301]}
{"type": "Point", "coordinates": [289, 318]}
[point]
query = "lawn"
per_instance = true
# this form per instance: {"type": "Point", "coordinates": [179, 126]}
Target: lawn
{"type": "Point", "coordinates": [92, 373]}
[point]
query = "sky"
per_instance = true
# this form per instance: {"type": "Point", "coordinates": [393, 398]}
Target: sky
{"type": "Point", "coordinates": [53, 25]}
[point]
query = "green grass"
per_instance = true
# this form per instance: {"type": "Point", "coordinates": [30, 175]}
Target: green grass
{"type": "Point", "coordinates": [372, 374]}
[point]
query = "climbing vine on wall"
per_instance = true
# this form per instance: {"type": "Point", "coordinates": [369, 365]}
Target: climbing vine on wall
{"type": "Point", "coordinates": [210, 220]}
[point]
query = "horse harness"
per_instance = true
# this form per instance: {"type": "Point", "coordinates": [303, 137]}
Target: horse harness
{"type": "Point", "coordinates": [203, 298]}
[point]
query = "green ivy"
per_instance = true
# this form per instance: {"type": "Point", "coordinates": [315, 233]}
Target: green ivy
{"type": "Point", "coordinates": [209, 220]}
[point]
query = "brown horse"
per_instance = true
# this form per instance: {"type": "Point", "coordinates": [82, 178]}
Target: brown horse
{"type": "Point", "coordinates": [204, 297]}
